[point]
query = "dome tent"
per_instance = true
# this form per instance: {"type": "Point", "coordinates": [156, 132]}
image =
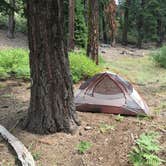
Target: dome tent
{"type": "Point", "coordinates": [109, 93]}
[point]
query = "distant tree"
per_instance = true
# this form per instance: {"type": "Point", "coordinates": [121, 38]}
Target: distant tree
{"type": "Point", "coordinates": [126, 22]}
{"type": "Point", "coordinates": [103, 22]}
{"type": "Point", "coordinates": [11, 20]}
{"type": "Point", "coordinates": [86, 11]}
{"type": "Point", "coordinates": [140, 24]}
{"type": "Point", "coordinates": [71, 43]}
{"type": "Point", "coordinates": [80, 24]}
{"type": "Point", "coordinates": [52, 107]}
{"type": "Point", "coordinates": [4, 6]}
{"type": "Point", "coordinates": [161, 21]}
{"type": "Point", "coordinates": [93, 30]}
{"type": "Point", "coordinates": [111, 17]}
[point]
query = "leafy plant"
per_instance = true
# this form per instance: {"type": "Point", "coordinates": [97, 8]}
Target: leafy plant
{"type": "Point", "coordinates": [36, 155]}
{"type": "Point", "coordinates": [15, 62]}
{"type": "Point", "coordinates": [105, 128]}
{"type": "Point", "coordinates": [160, 57]}
{"type": "Point", "coordinates": [145, 151]}
{"type": "Point", "coordinates": [119, 118]}
{"type": "Point", "coordinates": [83, 146]}
{"type": "Point", "coordinates": [81, 66]}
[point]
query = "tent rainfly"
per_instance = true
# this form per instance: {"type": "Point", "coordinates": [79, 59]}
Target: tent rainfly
{"type": "Point", "coordinates": [109, 93]}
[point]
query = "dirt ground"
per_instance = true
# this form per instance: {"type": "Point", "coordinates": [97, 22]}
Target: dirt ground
{"type": "Point", "coordinates": [110, 148]}
{"type": "Point", "coordinates": [20, 40]}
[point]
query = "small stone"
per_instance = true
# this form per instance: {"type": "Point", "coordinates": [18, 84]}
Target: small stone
{"type": "Point", "coordinates": [80, 133]}
{"type": "Point", "coordinates": [100, 158]}
{"type": "Point", "coordinates": [88, 128]}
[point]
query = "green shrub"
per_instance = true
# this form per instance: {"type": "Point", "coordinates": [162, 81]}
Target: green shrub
{"type": "Point", "coordinates": [160, 56]}
{"type": "Point", "coordinates": [81, 66]}
{"type": "Point", "coordinates": [3, 21]}
{"type": "Point", "coordinates": [21, 23]}
{"type": "Point", "coordinates": [145, 151]}
{"type": "Point", "coordinates": [14, 62]}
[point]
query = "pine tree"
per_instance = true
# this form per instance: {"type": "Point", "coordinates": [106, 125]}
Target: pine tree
{"type": "Point", "coordinates": [93, 30]}
{"type": "Point", "coordinates": [11, 20]}
{"type": "Point", "coordinates": [52, 107]}
{"type": "Point", "coordinates": [71, 41]}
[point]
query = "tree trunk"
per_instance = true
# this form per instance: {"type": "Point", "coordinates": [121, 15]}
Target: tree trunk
{"type": "Point", "coordinates": [71, 24]}
{"type": "Point", "coordinates": [11, 21]}
{"type": "Point", "coordinates": [126, 23]}
{"type": "Point", "coordinates": [160, 32]}
{"type": "Point", "coordinates": [86, 11]}
{"type": "Point", "coordinates": [111, 16]}
{"type": "Point", "coordinates": [140, 26]}
{"type": "Point", "coordinates": [105, 38]}
{"type": "Point", "coordinates": [93, 30]}
{"type": "Point", "coordinates": [51, 105]}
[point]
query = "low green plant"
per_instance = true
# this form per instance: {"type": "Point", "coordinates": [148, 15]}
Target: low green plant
{"type": "Point", "coordinates": [160, 57]}
{"type": "Point", "coordinates": [144, 153]}
{"type": "Point", "coordinates": [81, 66]}
{"type": "Point", "coordinates": [105, 127]}
{"type": "Point", "coordinates": [83, 146]}
{"type": "Point", "coordinates": [36, 155]}
{"type": "Point", "coordinates": [119, 118]}
{"type": "Point", "coordinates": [14, 62]}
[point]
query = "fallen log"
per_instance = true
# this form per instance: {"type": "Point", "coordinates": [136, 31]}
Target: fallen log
{"type": "Point", "coordinates": [24, 156]}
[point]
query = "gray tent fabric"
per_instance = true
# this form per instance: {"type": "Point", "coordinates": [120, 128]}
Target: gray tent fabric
{"type": "Point", "coordinates": [110, 93]}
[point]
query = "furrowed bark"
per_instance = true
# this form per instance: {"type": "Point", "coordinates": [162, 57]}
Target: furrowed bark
{"type": "Point", "coordinates": [52, 106]}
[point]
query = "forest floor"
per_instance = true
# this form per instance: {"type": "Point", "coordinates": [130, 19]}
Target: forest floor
{"type": "Point", "coordinates": [110, 148]}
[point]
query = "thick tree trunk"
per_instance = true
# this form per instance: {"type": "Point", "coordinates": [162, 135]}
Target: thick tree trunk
{"type": "Point", "coordinates": [51, 105]}
{"type": "Point", "coordinates": [126, 23]}
{"type": "Point", "coordinates": [71, 24]}
{"type": "Point", "coordinates": [93, 30]}
{"type": "Point", "coordinates": [11, 21]}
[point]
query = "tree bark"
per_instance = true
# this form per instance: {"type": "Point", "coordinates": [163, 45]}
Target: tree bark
{"type": "Point", "coordinates": [140, 25]}
{"type": "Point", "coordinates": [111, 16]}
{"type": "Point", "coordinates": [104, 28]}
{"type": "Point", "coordinates": [71, 43]}
{"type": "Point", "coordinates": [86, 11]}
{"type": "Point", "coordinates": [126, 23]}
{"type": "Point", "coordinates": [93, 30]}
{"type": "Point", "coordinates": [11, 21]}
{"type": "Point", "coordinates": [52, 106]}
{"type": "Point", "coordinates": [160, 32]}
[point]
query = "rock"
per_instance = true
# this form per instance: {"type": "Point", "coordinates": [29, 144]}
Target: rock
{"type": "Point", "coordinates": [100, 158]}
{"type": "Point", "coordinates": [88, 128]}
{"type": "Point", "coordinates": [103, 52]}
